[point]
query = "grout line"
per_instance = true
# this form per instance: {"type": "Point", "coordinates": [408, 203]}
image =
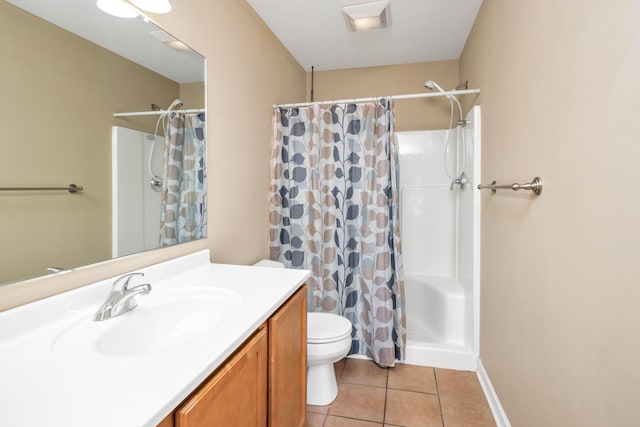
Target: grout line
{"type": "Point", "coordinates": [366, 385]}
{"type": "Point", "coordinates": [355, 419]}
{"type": "Point", "coordinates": [438, 394]}
{"type": "Point", "coordinates": [412, 391]}
{"type": "Point", "coordinates": [386, 393]}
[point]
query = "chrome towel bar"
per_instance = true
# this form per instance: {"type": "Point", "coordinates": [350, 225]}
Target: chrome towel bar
{"type": "Point", "coordinates": [535, 185]}
{"type": "Point", "coordinates": [71, 188]}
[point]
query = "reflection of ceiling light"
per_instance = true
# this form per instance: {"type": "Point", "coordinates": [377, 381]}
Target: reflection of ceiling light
{"type": "Point", "coordinates": [153, 6]}
{"type": "Point", "coordinates": [169, 40]}
{"type": "Point", "coordinates": [368, 16]}
{"type": "Point", "coordinates": [177, 45]}
{"type": "Point", "coordinates": [118, 8]}
{"type": "Point", "coordinates": [122, 9]}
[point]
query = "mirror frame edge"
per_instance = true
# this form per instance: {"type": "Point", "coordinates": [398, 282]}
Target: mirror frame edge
{"type": "Point", "coordinates": [27, 291]}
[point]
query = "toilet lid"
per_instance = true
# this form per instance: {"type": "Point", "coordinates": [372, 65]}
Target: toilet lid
{"type": "Point", "coordinates": [323, 327]}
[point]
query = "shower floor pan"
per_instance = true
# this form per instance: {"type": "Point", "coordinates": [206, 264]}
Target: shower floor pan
{"type": "Point", "coordinates": [436, 318]}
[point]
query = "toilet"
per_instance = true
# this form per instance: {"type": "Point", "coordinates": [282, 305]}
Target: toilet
{"type": "Point", "coordinates": [328, 341]}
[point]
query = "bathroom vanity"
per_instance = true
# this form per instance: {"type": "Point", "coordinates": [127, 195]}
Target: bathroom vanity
{"type": "Point", "coordinates": [263, 383]}
{"type": "Point", "coordinates": [209, 345]}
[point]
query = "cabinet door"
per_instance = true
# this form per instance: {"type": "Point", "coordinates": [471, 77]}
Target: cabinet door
{"type": "Point", "coordinates": [236, 395]}
{"type": "Point", "coordinates": [288, 362]}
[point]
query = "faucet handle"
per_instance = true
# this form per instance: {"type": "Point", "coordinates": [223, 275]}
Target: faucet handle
{"type": "Point", "coordinates": [126, 278]}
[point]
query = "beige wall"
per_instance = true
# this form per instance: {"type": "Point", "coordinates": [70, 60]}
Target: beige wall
{"type": "Point", "coordinates": [418, 114]}
{"type": "Point", "coordinates": [248, 71]}
{"type": "Point", "coordinates": [192, 95]}
{"type": "Point", "coordinates": [560, 334]}
{"type": "Point", "coordinates": [59, 92]}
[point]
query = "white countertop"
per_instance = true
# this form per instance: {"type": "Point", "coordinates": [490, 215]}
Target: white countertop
{"type": "Point", "coordinates": [40, 386]}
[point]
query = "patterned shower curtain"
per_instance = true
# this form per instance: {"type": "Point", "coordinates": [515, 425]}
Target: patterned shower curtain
{"type": "Point", "coordinates": [333, 210]}
{"type": "Point", "coordinates": [184, 193]}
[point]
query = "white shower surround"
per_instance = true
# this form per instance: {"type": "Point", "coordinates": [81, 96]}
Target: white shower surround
{"type": "Point", "coordinates": [135, 207]}
{"type": "Point", "coordinates": [441, 249]}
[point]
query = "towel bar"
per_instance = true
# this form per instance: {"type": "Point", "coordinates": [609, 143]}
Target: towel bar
{"type": "Point", "coordinates": [71, 188]}
{"type": "Point", "coordinates": [535, 185]}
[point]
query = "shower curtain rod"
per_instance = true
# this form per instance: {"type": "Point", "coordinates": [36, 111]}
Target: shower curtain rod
{"type": "Point", "coordinates": [155, 113]}
{"type": "Point", "coordinates": [394, 97]}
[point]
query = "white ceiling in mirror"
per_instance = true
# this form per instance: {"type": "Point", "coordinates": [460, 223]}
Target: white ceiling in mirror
{"type": "Point", "coordinates": [315, 32]}
{"type": "Point", "coordinates": [129, 38]}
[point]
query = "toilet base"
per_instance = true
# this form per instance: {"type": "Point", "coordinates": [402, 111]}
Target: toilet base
{"type": "Point", "coordinates": [322, 388]}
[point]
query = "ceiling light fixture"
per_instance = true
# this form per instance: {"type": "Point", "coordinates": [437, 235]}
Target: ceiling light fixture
{"type": "Point", "coordinates": [368, 16]}
{"type": "Point", "coordinates": [118, 8]}
{"type": "Point", "coordinates": [153, 6]}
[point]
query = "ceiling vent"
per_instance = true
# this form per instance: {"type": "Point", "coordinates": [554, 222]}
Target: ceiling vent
{"type": "Point", "coordinates": [368, 16]}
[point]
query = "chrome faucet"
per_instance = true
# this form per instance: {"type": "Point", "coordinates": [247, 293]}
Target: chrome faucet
{"type": "Point", "coordinates": [121, 298]}
{"type": "Point", "coordinates": [460, 181]}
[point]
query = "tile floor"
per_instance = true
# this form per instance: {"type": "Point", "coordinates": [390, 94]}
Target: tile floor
{"type": "Point", "coordinates": [406, 395]}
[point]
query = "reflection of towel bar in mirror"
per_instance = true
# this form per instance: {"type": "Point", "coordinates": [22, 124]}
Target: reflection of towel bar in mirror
{"type": "Point", "coordinates": [157, 113]}
{"type": "Point", "coordinates": [535, 185]}
{"type": "Point", "coordinates": [71, 188]}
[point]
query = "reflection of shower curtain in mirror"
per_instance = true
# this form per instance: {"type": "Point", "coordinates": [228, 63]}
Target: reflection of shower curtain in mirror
{"type": "Point", "coordinates": [184, 195]}
{"type": "Point", "coordinates": [334, 212]}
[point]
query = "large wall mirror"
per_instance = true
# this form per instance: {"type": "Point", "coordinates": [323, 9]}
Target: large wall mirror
{"type": "Point", "coordinates": [67, 68]}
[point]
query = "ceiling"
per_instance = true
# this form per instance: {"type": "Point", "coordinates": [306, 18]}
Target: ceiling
{"type": "Point", "coordinates": [133, 39]}
{"type": "Point", "coordinates": [315, 32]}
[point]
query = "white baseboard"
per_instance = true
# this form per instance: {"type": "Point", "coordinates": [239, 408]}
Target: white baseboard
{"type": "Point", "coordinates": [499, 415]}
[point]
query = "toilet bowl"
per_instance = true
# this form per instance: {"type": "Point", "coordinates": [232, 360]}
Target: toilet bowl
{"type": "Point", "coordinates": [328, 341]}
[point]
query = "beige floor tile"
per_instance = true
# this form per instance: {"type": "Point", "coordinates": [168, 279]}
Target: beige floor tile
{"type": "Point", "coordinates": [360, 402]}
{"type": "Point", "coordinates": [364, 372]}
{"type": "Point", "coordinates": [318, 409]}
{"type": "Point", "coordinates": [410, 400]}
{"type": "Point", "coordinates": [315, 420]}
{"type": "Point", "coordinates": [407, 408]}
{"type": "Point", "coordinates": [461, 384]}
{"type": "Point", "coordinates": [465, 412]}
{"type": "Point", "coordinates": [338, 367]}
{"type": "Point", "coordinates": [412, 378]}
{"type": "Point", "coordinates": [348, 422]}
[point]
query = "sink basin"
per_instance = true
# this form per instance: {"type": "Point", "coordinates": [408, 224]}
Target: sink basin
{"type": "Point", "coordinates": [161, 322]}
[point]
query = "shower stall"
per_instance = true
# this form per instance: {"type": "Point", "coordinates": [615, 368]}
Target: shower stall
{"type": "Point", "coordinates": [135, 200]}
{"type": "Point", "coordinates": [440, 228]}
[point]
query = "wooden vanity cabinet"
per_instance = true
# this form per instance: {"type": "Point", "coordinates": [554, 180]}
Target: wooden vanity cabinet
{"type": "Point", "coordinates": [236, 395]}
{"type": "Point", "coordinates": [262, 384]}
{"type": "Point", "coordinates": [288, 363]}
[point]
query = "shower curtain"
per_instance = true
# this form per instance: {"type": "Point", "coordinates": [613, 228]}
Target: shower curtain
{"type": "Point", "coordinates": [333, 210]}
{"type": "Point", "coordinates": [184, 204]}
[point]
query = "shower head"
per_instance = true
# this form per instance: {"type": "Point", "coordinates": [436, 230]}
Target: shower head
{"type": "Point", "coordinates": [431, 85]}
{"type": "Point", "coordinates": [175, 104]}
